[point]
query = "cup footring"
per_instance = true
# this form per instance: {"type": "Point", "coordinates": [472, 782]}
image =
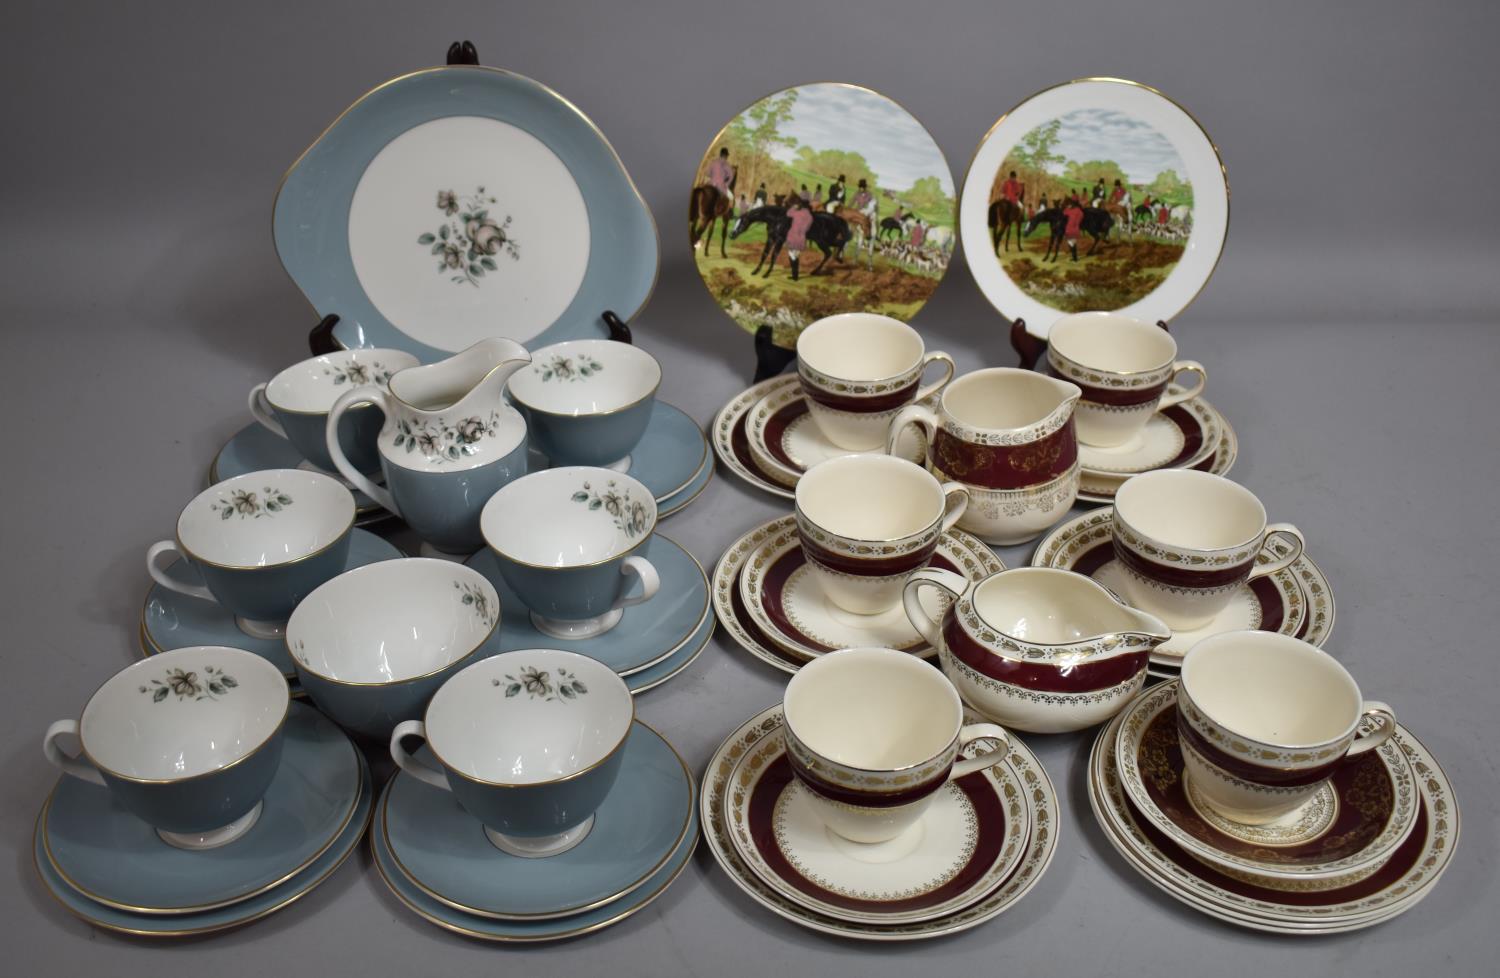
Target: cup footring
{"type": "Point", "coordinates": [267, 630]}
{"type": "Point", "coordinates": [428, 550]}
{"type": "Point", "coordinates": [582, 628]}
{"type": "Point", "coordinates": [539, 847]}
{"type": "Point", "coordinates": [876, 853]}
{"type": "Point", "coordinates": [1299, 826]}
{"type": "Point", "coordinates": [213, 838]}
{"type": "Point", "coordinates": [1132, 444]}
{"type": "Point", "coordinates": [376, 477]}
{"type": "Point", "coordinates": [619, 465]}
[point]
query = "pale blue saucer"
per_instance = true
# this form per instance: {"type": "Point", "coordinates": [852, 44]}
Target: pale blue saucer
{"type": "Point", "coordinates": [171, 620]}
{"type": "Point", "coordinates": [654, 676]}
{"type": "Point", "coordinates": [520, 931]}
{"type": "Point", "coordinates": [647, 633]}
{"type": "Point", "coordinates": [670, 459]}
{"type": "Point", "coordinates": [254, 448]}
{"type": "Point", "coordinates": [441, 848]}
{"type": "Point", "coordinates": [222, 918]}
{"type": "Point", "coordinates": [679, 500]}
{"type": "Point", "coordinates": [114, 858]}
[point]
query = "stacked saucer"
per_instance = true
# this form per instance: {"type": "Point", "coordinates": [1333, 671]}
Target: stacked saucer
{"type": "Point", "coordinates": [439, 861]}
{"type": "Point", "coordinates": [777, 611]}
{"type": "Point", "coordinates": [982, 845]}
{"type": "Point", "coordinates": [1189, 435]}
{"type": "Point", "coordinates": [112, 869]}
{"type": "Point", "coordinates": [1295, 601]}
{"type": "Point", "coordinates": [652, 642]}
{"type": "Point", "coordinates": [1366, 848]}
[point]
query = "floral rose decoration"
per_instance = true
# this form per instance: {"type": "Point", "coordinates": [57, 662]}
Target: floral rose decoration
{"type": "Point", "coordinates": [485, 235]}
{"type": "Point", "coordinates": [470, 430]}
{"type": "Point", "coordinates": [453, 255]}
{"type": "Point", "coordinates": [244, 501]}
{"type": "Point", "coordinates": [447, 202]}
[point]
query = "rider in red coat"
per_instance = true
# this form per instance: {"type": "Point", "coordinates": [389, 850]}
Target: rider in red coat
{"type": "Point", "coordinates": [1074, 214]}
{"type": "Point", "coordinates": [796, 236]}
{"type": "Point", "coordinates": [1012, 189]}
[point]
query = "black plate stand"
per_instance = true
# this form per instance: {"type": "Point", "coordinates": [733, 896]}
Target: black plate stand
{"type": "Point", "coordinates": [321, 340]}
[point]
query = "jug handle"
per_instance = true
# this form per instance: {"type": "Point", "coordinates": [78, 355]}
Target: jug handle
{"type": "Point", "coordinates": [360, 395]}
{"type": "Point", "coordinates": [943, 580]}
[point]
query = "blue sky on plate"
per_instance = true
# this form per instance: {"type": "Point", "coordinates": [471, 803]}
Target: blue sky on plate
{"type": "Point", "coordinates": [898, 149]}
{"type": "Point", "coordinates": [1105, 134]}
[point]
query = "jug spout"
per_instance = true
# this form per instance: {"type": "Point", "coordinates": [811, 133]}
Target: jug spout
{"type": "Point", "coordinates": [1146, 626]}
{"type": "Point", "coordinates": [495, 359]}
{"type": "Point", "coordinates": [473, 377]}
{"type": "Point", "coordinates": [1068, 394]}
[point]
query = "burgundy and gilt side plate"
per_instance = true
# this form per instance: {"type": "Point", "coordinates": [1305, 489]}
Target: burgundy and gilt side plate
{"type": "Point", "coordinates": [722, 788]}
{"type": "Point", "coordinates": [971, 837]}
{"type": "Point", "coordinates": [1208, 444]}
{"type": "Point", "coordinates": [733, 614]}
{"type": "Point", "coordinates": [786, 600]}
{"type": "Point", "coordinates": [785, 442]}
{"type": "Point", "coordinates": [1294, 602]}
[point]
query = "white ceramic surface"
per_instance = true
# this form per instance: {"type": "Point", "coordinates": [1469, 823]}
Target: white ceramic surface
{"type": "Point", "coordinates": [536, 520]}
{"type": "Point", "coordinates": [313, 385]}
{"type": "Point", "coordinates": [860, 515]}
{"type": "Point", "coordinates": [876, 722]}
{"type": "Point", "coordinates": [397, 199]}
{"type": "Point", "coordinates": [1286, 709]}
{"type": "Point", "coordinates": [264, 519]}
{"type": "Point", "coordinates": [392, 621]}
{"type": "Point", "coordinates": [858, 356]}
{"type": "Point", "coordinates": [1189, 521]}
{"type": "Point", "coordinates": [583, 378]}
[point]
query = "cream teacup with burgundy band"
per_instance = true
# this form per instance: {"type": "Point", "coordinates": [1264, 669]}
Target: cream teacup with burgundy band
{"type": "Point", "coordinates": [1008, 436]}
{"type": "Point", "coordinates": [1188, 540]}
{"type": "Point", "coordinates": [1264, 720]}
{"type": "Point", "coordinates": [866, 522]}
{"type": "Point", "coordinates": [857, 370]}
{"type": "Point", "coordinates": [1123, 367]}
{"type": "Point", "coordinates": [872, 734]}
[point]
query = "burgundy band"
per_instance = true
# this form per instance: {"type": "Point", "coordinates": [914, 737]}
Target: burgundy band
{"type": "Point", "coordinates": [1041, 676]}
{"type": "Point", "coordinates": [776, 427]}
{"type": "Point", "coordinates": [868, 566]}
{"type": "Point", "coordinates": [1176, 576]}
{"type": "Point", "coordinates": [1115, 397]}
{"type": "Point", "coordinates": [865, 799]}
{"type": "Point", "coordinates": [1248, 770]}
{"type": "Point", "coordinates": [1007, 466]}
{"type": "Point", "coordinates": [860, 404]}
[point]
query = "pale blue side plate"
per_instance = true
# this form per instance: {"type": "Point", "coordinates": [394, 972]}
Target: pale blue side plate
{"type": "Point", "coordinates": [173, 621]}
{"type": "Point", "coordinates": [647, 633]}
{"type": "Point", "coordinates": [443, 849]}
{"type": "Point", "coordinates": [311, 219]}
{"type": "Point", "coordinates": [115, 858]}
{"type": "Point", "coordinates": [551, 929]}
{"type": "Point", "coordinates": [234, 915]}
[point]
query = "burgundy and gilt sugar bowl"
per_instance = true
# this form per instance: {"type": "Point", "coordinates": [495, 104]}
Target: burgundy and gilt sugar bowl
{"type": "Point", "coordinates": [1035, 648]}
{"type": "Point", "coordinates": [872, 734]}
{"type": "Point", "coordinates": [1008, 436]}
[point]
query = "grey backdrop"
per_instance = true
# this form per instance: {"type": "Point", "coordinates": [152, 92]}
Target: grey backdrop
{"type": "Point", "coordinates": [1350, 332]}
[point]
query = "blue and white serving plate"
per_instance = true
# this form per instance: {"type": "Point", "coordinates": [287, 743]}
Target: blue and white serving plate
{"type": "Point", "coordinates": [310, 749]}
{"type": "Point", "coordinates": [522, 931]}
{"type": "Point", "coordinates": [451, 199]}
{"type": "Point", "coordinates": [170, 620]}
{"type": "Point", "coordinates": [648, 634]}
{"type": "Point", "coordinates": [443, 851]}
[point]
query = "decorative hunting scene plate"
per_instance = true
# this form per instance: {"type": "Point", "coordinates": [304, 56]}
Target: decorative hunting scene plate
{"type": "Point", "coordinates": [452, 199]}
{"type": "Point", "coordinates": [821, 199]}
{"type": "Point", "coordinates": [1098, 194]}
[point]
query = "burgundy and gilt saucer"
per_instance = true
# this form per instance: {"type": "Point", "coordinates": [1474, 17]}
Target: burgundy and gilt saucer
{"type": "Point", "coordinates": [970, 839]}
{"type": "Point", "coordinates": [786, 600]}
{"type": "Point", "coordinates": [1294, 602]}
{"type": "Point", "coordinates": [735, 616]}
{"type": "Point", "coordinates": [785, 442]}
{"type": "Point", "coordinates": [1208, 444]}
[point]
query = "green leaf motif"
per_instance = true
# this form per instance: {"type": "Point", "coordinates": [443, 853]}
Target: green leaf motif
{"type": "Point", "coordinates": [474, 269]}
{"type": "Point", "coordinates": [443, 231]}
{"type": "Point", "coordinates": [512, 690]}
{"type": "Point", "coordinates": [229, 682]}
{"type": "Point", "coordinates": [159, 695]}
{"type": "Point", "coordinates": [427, 239]}
{"type": "Point", "coordinates": [580, 496]}
{"type": "Point", "coordinates": [225, 513]}
{"type": "Point", "coordinates": [595, 503]}
{"type": "Point", "coordinates": [489, 263]}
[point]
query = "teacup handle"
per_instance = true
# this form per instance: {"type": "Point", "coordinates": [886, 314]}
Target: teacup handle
{"type": "Point", "coordinates": [77, 766]}
{"type": "Point", "coordinates": [1186, 367]}
{"type": "Point", "coordinates": [650, 580]}
{"type": "Point", "coordinates": [260, 410]}
{"type": "Point", "coordinates": [943, 580]}
{"type": "Point", "coordinates": [1281, 563]}
{"type": "Point", "coordinates": [417, 769]}
{"type": "Point", "coordinates": [360, 395]}
{"type": "Point", "coordinates": [159, 575]}
{"type": "Point", "coordinates": [1378, 736]}
{"type": "Point", "coordinates": [955, 502]}
{"type": "Point", "coordinates": [936, 356]}
{"type": "Point", "coordinates": [971, 732]}
{"type": "Point", "coordinates": [918, 414]}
